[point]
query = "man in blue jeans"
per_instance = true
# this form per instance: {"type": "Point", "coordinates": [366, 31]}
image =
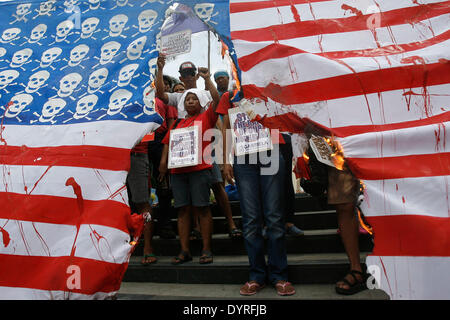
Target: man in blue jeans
{"type": "Point", "coordinates": [260, 181]}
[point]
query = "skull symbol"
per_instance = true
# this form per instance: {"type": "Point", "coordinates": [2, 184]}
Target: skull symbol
{"type": "Point", "coordinates": [134, 50]}
{"type": "Point", "coordinates": [118, 100]}
{"type": "Point", "coordinates": [108, 52]}
{"type": "Point", "coordinates": [36, 81]}
{"type": "Point", "coordinates": [63, 29]}
{"type": "Point", "coordinates": [23, 9]}
{"type": "Point", "coordinates": [126, 74]}
{"type": "Point", "coordinates": [85, 105]}
{"type": "Point", "coordinates": [45, 8]}
{"type": "Point", "coordinates": [50, 55]}
{"type": "Point", "coordinates": [68, 84]}
{"type": "Point", "coordinates": [77, 54]}
{"type": "Point", "coordinates": [204, 11]}
{"type": "Point", "coordinates": [149, 100]}
{"type": "Point", "coordinates": [7, 77]}
{"type": "Point", "coordinates": [70, 5]}
{"type": "Point", "coordinates": [88, 27]}
{"type": "Point", "coordinates": [117, 24]}
{"type": "Point", "coordinates": [20, 102]}
{"type": "Point", "coordinates": [51, 108]}
{"type": "Point", "coordinates": [146, 20]}
{"type": "Point", "coordinates": [9, 35]}
{"type": "Point", "coordinates": [97, 80]}
{"type": "Point", "coordinates": [20, 57]}
{"type": "Point", "coordinates": [37, 33]}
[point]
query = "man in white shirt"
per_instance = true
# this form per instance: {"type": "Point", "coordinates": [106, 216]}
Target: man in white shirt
{"type": "Point", "coordinates": [188, 75]}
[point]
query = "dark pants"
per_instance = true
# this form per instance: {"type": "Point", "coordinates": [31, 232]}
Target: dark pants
{"type": "Point", "coordinates": [289, 193]}
{"type": "Point", "coordinates": [164, 212]}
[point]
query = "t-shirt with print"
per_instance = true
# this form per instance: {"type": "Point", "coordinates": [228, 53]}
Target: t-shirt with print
{"type": "Point", "coordinates": [167, 112]}
{"type": "Point", "coordinates": [208, 120]}
{"type": "Point", "coordinates": [226, 104]}
{"type": "Point", "coordinates": [174, 100]}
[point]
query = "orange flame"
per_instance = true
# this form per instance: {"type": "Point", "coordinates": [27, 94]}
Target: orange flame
{"type": "Point", "coordinates": [306, 157]}
{"type": "Point", "coordinates": [363, 224]}
{"type": "Point", "coordinates": [338, 156]}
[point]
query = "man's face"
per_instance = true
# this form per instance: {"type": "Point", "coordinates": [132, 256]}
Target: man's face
{"type": "Point", "coordinates": [222, 83]}
{"type": "Point", "coordinates": [189, 78]}
{"type": "Point", "coordinates": [166, 86]}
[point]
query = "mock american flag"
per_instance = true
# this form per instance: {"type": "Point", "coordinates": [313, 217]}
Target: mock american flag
{"type": "Point", "coordinates": [376, 74]}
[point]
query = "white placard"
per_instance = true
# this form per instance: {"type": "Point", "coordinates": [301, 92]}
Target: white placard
{"type": "Point", "coordinates": [248, 136]}
{"type": "Point", "coordinates": [321, 149]}
{"type": "Point", "coordinates": [184, 147]}
{"type": "Point", "coordinates": [176, 43]}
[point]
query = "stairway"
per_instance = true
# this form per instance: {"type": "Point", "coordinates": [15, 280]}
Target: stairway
{"type": "Point", "coordinates": [317, 258]}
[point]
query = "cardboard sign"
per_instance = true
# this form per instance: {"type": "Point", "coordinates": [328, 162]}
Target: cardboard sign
{"type": "Point", "coordinates": [184, 147]}
{"type": "Point", "coordinates": [322, 150]}
{"type": "Point", "coordinates": [176, 43]}
{"type": "Point", "coordinates": [248, 136]}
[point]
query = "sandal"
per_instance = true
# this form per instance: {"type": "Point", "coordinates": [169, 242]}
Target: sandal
{"type": "Point", "coordinates": [250, 288]}
{"type": "Point", "coordinates": [356, 286]}
{"type": "Point", "coordinates": [235, 234]}
{"type": "Point", "coordinates": [182, 258]}
{"type": "Point", "coordinates": [146, 261]}
{"type": "Point", "coordinates": [284, 288]}
{"type": "Point", "coordinates": [206, 257]}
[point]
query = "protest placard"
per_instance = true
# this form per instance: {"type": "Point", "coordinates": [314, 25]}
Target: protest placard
{"type": "Point", "coordinates": [248, 136]}
{"type": "Point", "coordinates": [322, 150]}
{"type": "Point", "coordinates": [176, 43]}
{"type": "Point", "coordinates": [184, 147]}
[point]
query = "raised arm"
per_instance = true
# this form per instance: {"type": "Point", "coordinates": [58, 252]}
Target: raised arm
{"type": "Point", "coordinates": [227, 143]}
{"type": "Point", "coordinates": [209, 85]}
{"type": "Point", "coordinates": [160, 90]}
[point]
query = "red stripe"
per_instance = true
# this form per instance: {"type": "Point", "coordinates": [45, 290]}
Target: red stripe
{"type": "Point", "coordinates": [291, 122]}
{"type": "Point", "coordinates": [249, 6]}
{"type": "Point", "coordinates": [409, 15]}
{"type": "Point", "coordinates": [411, 235]}
{"type": "Point", "coordinates": [59, 210]}
{"type": "Point", "coordinates": [411, 166]}
{"type": "Point", "coordinates": [52, 273]}
{"type": "Point", "coordinates": [277, 50]}
{"type": "Point", "coordinates": [410, 76]}
{"type": "Point", "coordinates": [353, 130]}
{"type": "Point", "coordinates": [99, 157]}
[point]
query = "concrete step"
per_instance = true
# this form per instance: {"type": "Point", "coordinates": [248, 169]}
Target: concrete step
{"type": "Point", "coordinates": [178, 291]}
{"type": "Point", "coordinates": [315, 268]}
{"type": "Point", "coordinates": [314, 241]}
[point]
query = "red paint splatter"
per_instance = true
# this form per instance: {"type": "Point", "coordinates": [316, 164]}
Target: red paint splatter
{"type": "Point", "coordinates": [403, 199]}
{"type": "Point", "coordinates": [2, 127]}
{"type": "Point", "coordinates": [5, 236]}
{"type": "Point", "coordinates": [37, 182]}
{"type": "Point", "coordinates": [353, 10]}
{"type": "Point", "coordinates": [295, 13]}
{"type": "Point", "coordinates": [396, 187]}
{"type": "Point", "coordinates": [80, 201]}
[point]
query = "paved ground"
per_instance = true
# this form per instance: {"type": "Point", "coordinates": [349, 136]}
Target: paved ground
{"type": "Point", "coordinates": [176, 291]}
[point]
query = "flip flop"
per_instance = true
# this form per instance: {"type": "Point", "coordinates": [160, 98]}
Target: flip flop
{"type": "Point", "coordinates": [145, 260]}
{"type": "Point", "coordinates": [181, 258]}
{"type": "Point", "coordinates": [235, 234]}
{"type": "Point", "coordinates": [206, 257]}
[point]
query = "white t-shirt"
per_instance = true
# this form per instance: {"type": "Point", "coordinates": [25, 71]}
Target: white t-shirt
{"type": "Point", "coordinates": [175, 100]}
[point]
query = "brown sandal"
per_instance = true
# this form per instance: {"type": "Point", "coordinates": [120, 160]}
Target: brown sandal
{"type": "Point", "coordinates": [250, 288]}
{"type": "Point", "coordinates": [206, 257]}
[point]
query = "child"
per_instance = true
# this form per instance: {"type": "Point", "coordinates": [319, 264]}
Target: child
{"type": "Point", "coordinates": [191, 185]}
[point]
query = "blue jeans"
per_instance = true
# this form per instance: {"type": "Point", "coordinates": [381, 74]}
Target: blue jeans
{"type": "Point", "coordinates": [261, 200]}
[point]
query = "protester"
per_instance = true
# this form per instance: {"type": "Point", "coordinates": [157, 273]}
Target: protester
{"type": "Point", "coordinates": [261, 201]}
{"type": "Point", "coordinates": [222, 80]}
{"type": "Point", "coordinates": [289, 193]}
{"type": "Point", "coordinates": [178, 87]}
{"type": "Point", "coordinates": [342, 192]}
{"type": "Point", "coordinates": [191, 185]}
{"type": "Point", "coordinates": [138, 187]}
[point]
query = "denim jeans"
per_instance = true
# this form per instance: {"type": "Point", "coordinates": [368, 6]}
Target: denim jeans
{"type": "Point", "coordinates": [261, 202]}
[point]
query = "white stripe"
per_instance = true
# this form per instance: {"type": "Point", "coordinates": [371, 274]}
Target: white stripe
{"type": "Point", "coordinates": [318, 10]}
{"type": "Point", "coordinates": [385, 197]}
{"type": "Point", "coordinates": [388, 107]}
{"type": "Point", "coordinates": [429, 139]}
{"type": "Point", "coordinates": [111, 133]}
{"type": "Point", "coordinates": [94, 242]}
{"type": "Point", "coordinates": [412, 278]}
{"type": "Point", "coordinates": [345, 41]}
{"type": "Point", "coordinates": [306, 67]}
{"type": "Point", "coordinates": [11, 293]}
{"type": "Point", "coordinates": [95, 184]}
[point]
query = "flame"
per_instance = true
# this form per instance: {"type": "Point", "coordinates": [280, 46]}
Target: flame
{"type": "Point", "coordinates": [338, 156]}
{"type": "Point", "coordinates": [306, 157]}
{"type": "Point", "coordinates": [363, 224]}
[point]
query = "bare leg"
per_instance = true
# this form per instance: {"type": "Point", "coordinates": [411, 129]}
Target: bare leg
{"type": "Point", "coordinates": [222, 200]}
{"type": "Point", "coordinates": [348, 224]}
{"type": "Point", "coordinates": [204, 214]}
{"type": "Point", "coordinates": [184, 227]}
